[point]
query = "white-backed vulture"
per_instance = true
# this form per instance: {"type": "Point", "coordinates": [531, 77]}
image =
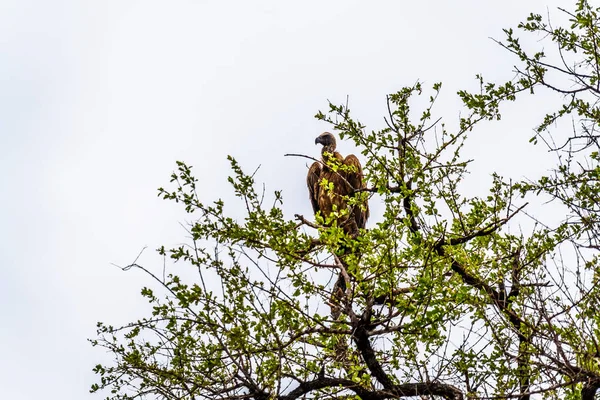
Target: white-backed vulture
{"type": "Point", "coordinates": [342, 176]}
{"type": "Point", "coordinates": [346, 178]}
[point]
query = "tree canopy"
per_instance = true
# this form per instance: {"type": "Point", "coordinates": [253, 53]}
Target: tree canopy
{"type": "Point", "coordinates": [449, 295]}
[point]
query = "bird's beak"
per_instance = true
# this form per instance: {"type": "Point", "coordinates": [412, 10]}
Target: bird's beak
{"type": "Point", "coordinates": [318, 140]}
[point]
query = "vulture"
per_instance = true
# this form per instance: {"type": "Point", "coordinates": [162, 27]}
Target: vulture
{"type": "Point", "coordinates": [345, 174]}
{"type": "Point", "coordinates": [345, 178]}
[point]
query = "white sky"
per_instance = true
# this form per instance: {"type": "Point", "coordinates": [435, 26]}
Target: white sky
{"type": "Point", "coordinates": [98, 99]}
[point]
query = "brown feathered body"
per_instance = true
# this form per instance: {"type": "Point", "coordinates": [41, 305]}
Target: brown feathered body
{"type": "Point", "coordinates": [346, 178]}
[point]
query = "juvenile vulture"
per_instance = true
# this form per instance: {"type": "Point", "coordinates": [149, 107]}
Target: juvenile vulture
{"type": "Point", "coordinates": [345, 180]}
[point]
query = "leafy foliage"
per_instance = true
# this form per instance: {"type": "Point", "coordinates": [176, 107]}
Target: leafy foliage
{"type": "Point", "coordinates": [444, 300]}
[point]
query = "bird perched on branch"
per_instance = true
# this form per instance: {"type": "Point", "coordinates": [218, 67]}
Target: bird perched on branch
{"type": "Point", "coordinates": [331, 183]}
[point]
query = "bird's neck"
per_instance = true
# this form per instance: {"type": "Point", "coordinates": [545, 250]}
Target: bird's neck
{"type": "Point", "coordinates": [327, 150]}
{"type": "Point", "coordinates": [330, 157]}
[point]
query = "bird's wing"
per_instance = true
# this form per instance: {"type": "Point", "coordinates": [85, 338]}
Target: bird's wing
{"type": "Point", "coordinates": [354, 177]}
{"type": "Point", "coordinates": [312, 181]}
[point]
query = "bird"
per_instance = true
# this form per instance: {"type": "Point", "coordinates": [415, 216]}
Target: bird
{"type": "Point", "coordinates": [346, 177]}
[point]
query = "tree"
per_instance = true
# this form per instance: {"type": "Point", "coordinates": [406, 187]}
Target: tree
{"type": "Point", "coordinates": [443, 299]}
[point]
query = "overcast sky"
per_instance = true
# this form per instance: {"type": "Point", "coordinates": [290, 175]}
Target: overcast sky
{"type": "Point", "coordinates": [98, 99]}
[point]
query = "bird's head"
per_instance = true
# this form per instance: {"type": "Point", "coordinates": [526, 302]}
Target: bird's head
{"type": "Point", "coordinates": [327, 140]}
